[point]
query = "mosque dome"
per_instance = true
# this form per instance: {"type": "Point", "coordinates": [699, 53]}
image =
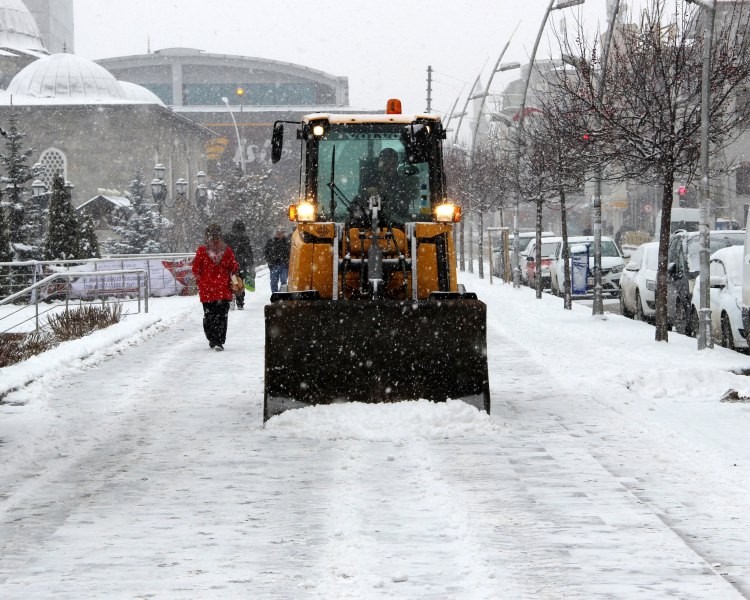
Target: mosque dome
{"type": "Point", "coordinates": [67, 78]}
{"type": "Point", "coordinates": [139, 94]}
{"type": "Point", "coordinates": [18, 29]}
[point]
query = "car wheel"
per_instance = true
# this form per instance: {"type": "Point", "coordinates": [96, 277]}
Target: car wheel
{"type": "Point", "coordinates": [624, 311]}
{"type": "Point", "coordinates": [727, 340]}
{"type": "Point", "coordinates": [681, 324]}
{"type": "Point", "coordinates": [694, 322]}
{"type": "Point", "coordinates": [639, 316]}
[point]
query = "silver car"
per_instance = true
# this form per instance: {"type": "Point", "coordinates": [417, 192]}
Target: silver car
{"type": "Point", "coordinates": [612, 265]}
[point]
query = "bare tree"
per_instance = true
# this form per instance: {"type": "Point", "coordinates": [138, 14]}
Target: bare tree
{"type": "Point", "coordinates": [645, 119]}
{"type": "Point", "coordinates": [549, 166]}
{"type": "Point", "coordinates": [480, 184]}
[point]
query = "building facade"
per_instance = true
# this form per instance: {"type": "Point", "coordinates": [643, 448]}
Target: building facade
{"type": "Point", "coordinates": [54, 18]}
{"type": "Point", "coordinates": [237, 97]}
{"type": "Point", "coordinates": [98, 134]}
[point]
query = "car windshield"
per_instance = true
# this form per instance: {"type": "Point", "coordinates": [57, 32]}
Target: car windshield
{"type": "Point", "coordinates": [548, 249]}
{"type": "Point", "coordinates": [523, 243]}
{"type": "Point", "coordinates": [717, 240]}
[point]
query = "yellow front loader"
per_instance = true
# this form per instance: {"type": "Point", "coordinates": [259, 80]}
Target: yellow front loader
{"type": "Point", "coordinates": [373, 311]}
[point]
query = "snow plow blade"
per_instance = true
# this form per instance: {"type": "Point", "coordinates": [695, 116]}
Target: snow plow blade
{"type": "Point", "coordinates": [329, 351]}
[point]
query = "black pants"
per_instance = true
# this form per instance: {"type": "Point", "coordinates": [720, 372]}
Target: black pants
{"type": "Point", "coordinates": [215, 317]}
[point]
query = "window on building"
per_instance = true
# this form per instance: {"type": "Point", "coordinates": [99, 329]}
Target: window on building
{"type": "Point", "coordinates": [743, 108]}
{"type": "Point", "coordinates": [257, 94]}
{"type": "Point", "coordinates": [53, 161]}
{"type": "Point", "coordinates": [742, 176]}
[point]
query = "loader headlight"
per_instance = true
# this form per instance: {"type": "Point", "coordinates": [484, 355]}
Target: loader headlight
{"type": "Point", "coordinates": [303, 212]}
{"type": "Point", "coordinates": [447, 212]}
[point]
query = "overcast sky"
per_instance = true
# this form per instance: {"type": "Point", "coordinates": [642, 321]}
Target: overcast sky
{"type": "Point", "coordinates": [384, 48]}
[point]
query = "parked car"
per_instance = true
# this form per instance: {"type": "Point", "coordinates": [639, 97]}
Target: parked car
{"type": "Point", "coordinates": [612, 265]}
{"type": "Point", "coordinates": [725, 294]}
{"type": "Point", "coordinates": [525, 239]}
{"type": "Point", "coordinates": [638, 283]}
{"type": "Point", "coordinates": [549, 244]}
{"type": "Point", "coordinates": [683, 266]}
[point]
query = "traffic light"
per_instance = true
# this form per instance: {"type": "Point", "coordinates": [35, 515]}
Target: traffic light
{"type": "Point", "coordinates": [586, 137]}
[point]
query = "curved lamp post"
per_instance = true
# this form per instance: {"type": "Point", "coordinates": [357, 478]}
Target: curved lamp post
{"type": "Point", "coordinates": [705, 339]}
{"type": "Point", "coordinates": [225, 100]}
{"type": "Point", "coordinates": [516, 246]}
{"type": "Point", "coordinates": [598, 304]}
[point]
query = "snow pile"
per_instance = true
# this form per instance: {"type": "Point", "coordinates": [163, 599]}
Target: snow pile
{"type": "Point", "coordinates": [400, 421]}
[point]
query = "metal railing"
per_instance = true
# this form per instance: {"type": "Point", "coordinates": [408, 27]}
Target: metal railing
{"type": "Point", "coordinates": [34, 288]}
{"type": "Point", "coordinates": [17, 276]}
{"type": "Point", "coordinates": [46, 291]}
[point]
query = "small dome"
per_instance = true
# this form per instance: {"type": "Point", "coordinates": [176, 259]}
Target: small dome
{"type": "Point", "coordinates": [66, 77]}
{"type": "Point", "coordinates": [18, 29]}
{"type": "Point", "coordinates": [139, 94]}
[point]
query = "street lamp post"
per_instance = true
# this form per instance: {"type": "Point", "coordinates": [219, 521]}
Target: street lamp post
{"type": "Point", "coordinates": [225, 100]}
{"type": "Point", "coordinates": [598, 303]}
{"type": "Point", "coordinates": [201, 193]}
{"type": "Point", "coordinates": [704, 324]}
{"type": "Point", "coordinates": [516, 246]}
{"type": "Point", "coordinates": [482, 97]}
{"type": "Point", "coordinates": [159, 188]}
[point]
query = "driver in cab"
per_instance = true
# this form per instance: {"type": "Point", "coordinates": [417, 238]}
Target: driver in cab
{"type": "Point", "coordinates": [397, 191]}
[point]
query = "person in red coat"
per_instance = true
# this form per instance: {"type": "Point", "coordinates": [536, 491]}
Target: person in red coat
{"type": "Point", "coordinates": [213, 265]}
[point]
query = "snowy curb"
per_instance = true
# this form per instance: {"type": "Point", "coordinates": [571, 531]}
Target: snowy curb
{"type": "Point", "coordinates": [128, 330]}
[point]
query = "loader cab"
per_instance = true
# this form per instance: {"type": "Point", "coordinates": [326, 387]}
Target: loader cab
{"type": "Point", "coordinates": [345, 165]}
{"type": "Point", "coordinates": [351, 162]}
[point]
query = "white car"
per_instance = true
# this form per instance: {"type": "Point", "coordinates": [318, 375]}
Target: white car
{"type": "Point", "coordinates": [528, 268]}
{"type": "Point", "coordinates": [525, 241]}
{"type": "Point", "coordinates": [612, 265]}
{"type": "Point", "coordinates": [638, 283]}
{"type": "Point", "coordinates": [725, 276]}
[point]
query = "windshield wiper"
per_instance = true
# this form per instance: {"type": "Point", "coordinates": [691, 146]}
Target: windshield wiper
{"type": "Point", "coordinates": [335, 190]}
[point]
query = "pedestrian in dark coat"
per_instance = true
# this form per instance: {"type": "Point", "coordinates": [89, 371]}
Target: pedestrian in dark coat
{"type": "Point", "coordinates": [276, 254]}
{"type": "Point", "coordinates": [213, 265]}
{"type": "Point", "coordinates": [238, 241]}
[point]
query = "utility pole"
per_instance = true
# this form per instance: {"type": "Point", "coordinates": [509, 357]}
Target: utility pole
{"type": "Point", "coordinates": [429, 88]}
{"type": "Point", "coordinates": [705, 340]}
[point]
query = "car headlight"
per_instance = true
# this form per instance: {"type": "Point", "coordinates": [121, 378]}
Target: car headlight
{"type": "Point", "coordinates": [616, 269]}
{"type": "Point", "coordinates": [650, 285]}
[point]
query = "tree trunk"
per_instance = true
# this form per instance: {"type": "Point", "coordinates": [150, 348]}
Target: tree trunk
{"type": "Point", "coordinates": [471, 243]}
{"type": "Point", "coordinates": [662, 326]}
{"type": "Point", "coordinates": [567, 300]}
{"type": "Point", "coordinates": [462, 263]}
{"type": "Point", "coordinates": [538, 251]}
{"type": "Point", "coordinates": [480, 244]}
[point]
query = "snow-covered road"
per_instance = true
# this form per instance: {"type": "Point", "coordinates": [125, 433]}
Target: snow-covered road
{"type": "Point", "coordinates": [154, 478]}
